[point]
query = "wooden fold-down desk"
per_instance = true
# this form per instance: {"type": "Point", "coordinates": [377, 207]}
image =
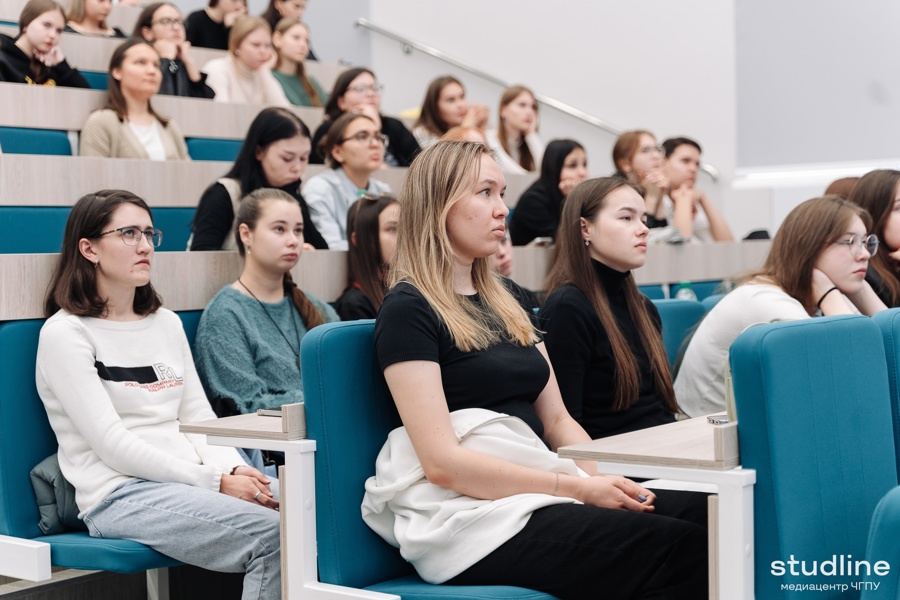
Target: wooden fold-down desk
{"type": "Point", "coordinates": [694, 451]}
{"type": "Point", "coordinates": [299, 573]}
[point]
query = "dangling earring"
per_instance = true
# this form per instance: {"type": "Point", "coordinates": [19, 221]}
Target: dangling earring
{"type": "Point", "coordinates": [96, 264]}
{"type": "Point", "coordinates": [587, 242]}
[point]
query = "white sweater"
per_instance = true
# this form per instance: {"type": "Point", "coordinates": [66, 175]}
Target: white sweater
{"type": "Point", "coordinates": [700, 384]}
{"type": "Point", "coordinates": [441, 532]}
{"type": "Point", "coordinates": [510, 164]}
{"type": "Point", "coordinates": [233, 82]}
{"type": "Point", "coordinates": [115, 393]}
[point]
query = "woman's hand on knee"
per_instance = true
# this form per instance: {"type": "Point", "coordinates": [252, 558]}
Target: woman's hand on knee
{"type": "Point", "coordinates": [613, 491]}
{"type": "Point", "coordinates": [249, 484]}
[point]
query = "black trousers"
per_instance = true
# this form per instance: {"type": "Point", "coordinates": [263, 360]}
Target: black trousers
{"type": "Point", "coordinates": [578, 551]}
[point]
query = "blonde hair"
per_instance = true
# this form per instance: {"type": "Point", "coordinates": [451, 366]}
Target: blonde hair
{"type": "Point", "coordinates": [438, 178]}
{"type": "Point", "coordinates": [77, 13]}
{"type": "Point", "coordinates": [243, 27]}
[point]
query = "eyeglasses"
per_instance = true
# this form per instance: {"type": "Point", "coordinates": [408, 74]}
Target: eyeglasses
{"type": "Point", "coordinates": [650, 149]}
{"type": "Point", "coordinates": [132, 235]}
{"type": "Point", "coordinates": [857, 242]}
{"type": "Point", "coordinates": [362, 89]}
{"type": "Point", "coordinates": [364, 137]}
{"type": "Point", "coordinates": [168, 22]}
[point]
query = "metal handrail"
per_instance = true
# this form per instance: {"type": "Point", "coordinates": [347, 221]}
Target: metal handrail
{"type": "Point", "coordinates": [410, 45]}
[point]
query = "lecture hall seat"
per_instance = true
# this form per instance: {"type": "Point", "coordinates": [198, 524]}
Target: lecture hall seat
{"type": "Point", "coordinates": [814, 421]}
{"type": "Point", "coordinates": [350, 418]}
{"type": "Point", "coordinates": [19, 140]}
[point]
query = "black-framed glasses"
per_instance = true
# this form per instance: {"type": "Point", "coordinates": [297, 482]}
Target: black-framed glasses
{"type": "Point", "coordinates": [168, 22]}
{"type": "Point", "coordinates": [856, 244]}
{"type": "Point", "coordinates": [366, 138]}
{"type": "Point", "coordinates": [132, 235]}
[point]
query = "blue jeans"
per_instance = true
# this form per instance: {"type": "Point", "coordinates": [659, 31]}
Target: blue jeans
{"type": "Point", "coordinates": [196, 526]}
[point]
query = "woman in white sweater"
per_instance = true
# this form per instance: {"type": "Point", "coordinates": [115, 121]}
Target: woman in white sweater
{"type": "Point", "coordinates": [244, 76]}
{"type": "Point", "coordinates": [115, 374]}
{"type": "Point", "coordinates": [515, 142]}
{"type": "Point", "coordinates": [817, 266]}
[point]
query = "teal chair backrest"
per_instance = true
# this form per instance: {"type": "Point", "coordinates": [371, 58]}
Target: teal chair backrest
{"type": "Point", "coordinates": [213, 149]}
{"type": "Point", "coordinates": [889, 322]}
{"type": "Point", "coordinates": [679, 317]}
{"type": "Point", "coordinates": [16, 140]}
{"type": "Point", "coordinates": [97, 80]}
{"type": "Point", "coordinates": [349, 413]}
{"type": "Point", "coordinates": [814, 421]}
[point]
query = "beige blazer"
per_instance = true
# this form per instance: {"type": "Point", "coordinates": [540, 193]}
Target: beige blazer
{"type": "Point", "coordinates": [104, 135]}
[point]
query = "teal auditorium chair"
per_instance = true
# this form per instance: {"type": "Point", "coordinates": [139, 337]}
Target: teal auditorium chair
{"type": "Point", "coordinates": [17, 140]}
{"type": "Point", "coordinates": [350, 418]}
{"type": "Point", "coordinates": [814, 421]}
{"type": "Point", "coordinates": [701, 289]}
{"type": "Point", "coordinates": [25, 440]}
{"type": "Point", "coordinates": [97, 80]}
{"type": "Point", "coordinates": [654, 292]}
{"type": "Point", "coordinates": [213, 149]}
{"type": "Point", "coordinates": [678, 319]}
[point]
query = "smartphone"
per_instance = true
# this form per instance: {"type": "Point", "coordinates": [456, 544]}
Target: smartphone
{"type": "Point", "coordinates": [269, 412]}
{"type": "Point", "coordinates": [721, 419]}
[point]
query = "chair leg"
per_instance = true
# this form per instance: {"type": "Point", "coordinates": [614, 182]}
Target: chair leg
{"type": "Point", "coordinates": [158, 584]}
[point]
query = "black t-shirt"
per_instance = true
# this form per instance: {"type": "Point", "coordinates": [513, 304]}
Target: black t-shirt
{"type": "Point", "coordinates": [505, 377]}
{"type": "Point", "coordinates": [354, 305]}
{"type": "Point", "coordinates": [203, 32]}
{"type": "Point", "coordinates": [582, 358]}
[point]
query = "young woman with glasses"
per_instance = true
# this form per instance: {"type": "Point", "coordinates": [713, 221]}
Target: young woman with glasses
{"type": "Point", "coordinates": [115, 373]}
{"type": "Point", "coordinates": [162, 25]}
{"type": "Point", "coordinates": [128, 127]}
{"type": "Point", "coordinates": [357, 90]}
{"type": "Point", "coordinates": [817, 266]}
{"type": "Point", "coordinates": [470, 488]}
{"type": "Point", "coordinates": [355, 149]}
{"type": "Point", "coordinates": [879, 193]}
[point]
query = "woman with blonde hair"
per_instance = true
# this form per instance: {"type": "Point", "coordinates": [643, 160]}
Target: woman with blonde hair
{"type": "Point", "coordinates": [291, 41]}
{"type": "Point", "coordinates": [244, 76]}
{"type": "Point", "coordinates": [128, 127]}
{"type": "Point", "coordinates": [817, 266]}
{"type": "Point", "coordinates": [518, 147]}
{"type": "Point", "coordinates": [88, 17]}
{"type": "Point", "coordinates": [475, 497]}
{"type": "Point", "coordinates": [603, 336]}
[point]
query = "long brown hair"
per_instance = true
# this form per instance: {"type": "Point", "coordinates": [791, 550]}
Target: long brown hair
{"type": "Point", "coordinates": [249, 212]}
{"type": "Point", "coordinates": [805, 232]}
{"type": "Point", "coordinates": [77, 13]}
{"type": "Point", "coordinates": [572, 265]}
{"type": "Point", "coordinates": [626, 146]}
{"type": "Point", "coordinates": [282, 28]}
{"type": "Point", "coordinates": [438, 178]}
{"type": "Point", "coordinates": [39, 71]}
{"type": "Point", "coordinates": [366, 266]}
{"type": "Point", "coordinates": [115, 99]}
{"type": "Point", "coordinates": [526, 160]}
{"type": "Point", "coordinates": [875, 192]}
{"type": "Point", "coordinates": [430, 117]}
{"type": "Point", "coordinates": [73, 285]}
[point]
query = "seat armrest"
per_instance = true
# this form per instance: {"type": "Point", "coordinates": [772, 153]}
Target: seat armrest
{"type": "Point", "coordinates": [24, 559]}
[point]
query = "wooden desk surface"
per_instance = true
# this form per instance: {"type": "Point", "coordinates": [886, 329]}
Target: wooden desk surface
{"type": "Point", "coordinates": [690, 443]}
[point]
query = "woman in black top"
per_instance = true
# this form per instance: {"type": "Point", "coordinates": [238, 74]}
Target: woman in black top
{"type": "Point", "coordinates": [162, 25]}
{"type": "Point", "coordinates": [211, 26]}
{"type": "Point", "coordinates": [372, 235]}
{"type": "Point", "coordinates": [603, 336]}
{"type": "Point", "coordinates": [34, 56]}
{"type": "Point", "coordinates": [451, 335]}
{"type": "Point", "coordinates": [274, 155]}
{"type": "Point", "coordinates": [537, 212]}
{"type": "Point", "coordinates": [357, 90]}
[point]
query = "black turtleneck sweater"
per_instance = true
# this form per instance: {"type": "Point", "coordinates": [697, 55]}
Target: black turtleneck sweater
{"type": "Point", "coordinates": [582, 358]}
